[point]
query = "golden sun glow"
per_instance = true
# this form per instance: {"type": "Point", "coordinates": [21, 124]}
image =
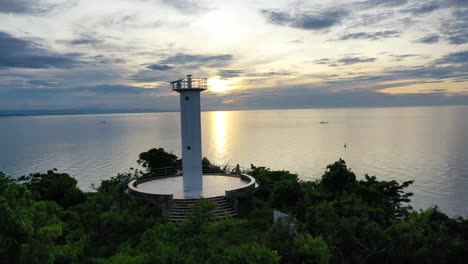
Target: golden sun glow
{"type": "Point", "coordinates": [220, 131]}
{"type": "Point", "coordinates": [219, 86]}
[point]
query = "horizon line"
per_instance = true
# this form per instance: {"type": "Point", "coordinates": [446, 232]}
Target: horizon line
{"type": "Point", "coordinates": [88, 111]}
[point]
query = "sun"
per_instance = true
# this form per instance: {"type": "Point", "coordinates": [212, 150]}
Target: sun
{"type": "Point", "coordinates": [218, 86]}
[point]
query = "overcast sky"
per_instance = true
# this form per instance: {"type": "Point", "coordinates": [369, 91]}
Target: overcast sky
{"type": "Point", "coordinates": [121, 54]}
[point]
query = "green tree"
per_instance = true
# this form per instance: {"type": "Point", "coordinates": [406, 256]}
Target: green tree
{"type": "Point", "coordinates": [42, 247]}
{"type": "Point", "coordinates": [250, 253]}
{"type": "Point", "coordinates": [16, 219]}
{"type": "Point", "coordinates": [158, 158]}
{"type": "Point", "coordinates": [209, 167]}
{"type": "Point", "coordinates": [338, 178]}
{"type": "Point", "coordinates": [310, 250]}
{"type": "Point", "coordinates": [33, 231]}
{"type": "Point", "coordinates": [337, 219]}
{"type": "Point", "coordinates": [388, 195]}
{"type": "Point", "coordinates": [286, 194]}
{"type": "Point", "coordinates": [280, 237]}
{"type": "Point", "coordinates": [427, 237]}
{"type": "Point", "coordinates": [53, 186]}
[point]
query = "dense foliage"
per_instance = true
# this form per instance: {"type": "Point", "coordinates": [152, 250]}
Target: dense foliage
{"type": "Point", "coordinates": [45, 218]}
{"type": "Point", "coordinates": [158, 158]}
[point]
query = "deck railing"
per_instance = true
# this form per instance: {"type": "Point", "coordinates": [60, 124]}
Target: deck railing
{"type": "Point", "coordinates": [208, 169]}
{"type": "Point", "coordinates": [196, 83]}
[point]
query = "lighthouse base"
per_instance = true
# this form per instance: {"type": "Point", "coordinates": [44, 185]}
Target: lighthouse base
{"type": "Point", "coordinates": [214, 185]}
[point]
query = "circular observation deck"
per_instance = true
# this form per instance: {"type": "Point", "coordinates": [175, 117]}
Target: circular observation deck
{"type": "Point", "coordinates": [169, 186]}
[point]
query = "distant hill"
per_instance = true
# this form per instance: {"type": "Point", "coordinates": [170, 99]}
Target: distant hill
{"type": "Point", "coordinates": [4, 113]}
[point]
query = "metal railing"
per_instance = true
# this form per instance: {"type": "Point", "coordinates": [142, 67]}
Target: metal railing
{"type": "Point", "coordinates": [209, 169]}
{"type": "Point", "coordinates": [198, 83]}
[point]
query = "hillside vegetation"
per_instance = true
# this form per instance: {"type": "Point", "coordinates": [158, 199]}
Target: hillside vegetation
{"type": "Point", "coordinates": [45, 218]}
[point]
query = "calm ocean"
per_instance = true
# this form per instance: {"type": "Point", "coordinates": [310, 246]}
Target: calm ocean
{"type": "Point", "coordinates": [425, 144]}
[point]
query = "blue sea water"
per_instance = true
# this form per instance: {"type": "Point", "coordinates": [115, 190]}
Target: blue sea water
{"type": "Point", "coordinates": [425, 144]}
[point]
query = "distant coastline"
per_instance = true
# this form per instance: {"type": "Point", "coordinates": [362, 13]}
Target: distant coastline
{"type": "Point", "coordinates": [17, 113]}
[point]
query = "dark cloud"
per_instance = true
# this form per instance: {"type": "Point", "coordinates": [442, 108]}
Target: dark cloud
{"type": "Point", "coordinates": [322, 61]}
{"type": "Point", "coordinates": [458, 39]}
{"type": "Point", "coordinates": [358, 91]}
{"type": "Point", "coordinates": [455, 30]}
{"type": "Point", "coordinates": [85, 40]}
{"type": "Point", "coordinates": [134, 21]}
{"type": "Point", "coordinates": [276, 73]}
{"type": "Point", "coordinates": [159, 67]}
{"type": "Point", "coordinates": [371, 35]}
{"type": "Point", "coordinates": [354, 60]}
{"type": "Point", "coordinates": [109, 89]}
{"type": "Point", "coordinates": [120, 20]}
{"type": "Point", "coordinates": [455, 3]}
{"type": "Point", "coordinates": [307, 21]}
{"type": "Point", "coordinates": [22, 53]}
{"type": "Point", "coordinates": [422, 9]}
{"type": "Point", "coordinates": [194, 61]}
{"type": "Point", "coordinates": [382, 3]}
{"type": "Point", "coordinates": [431, 39]}
{"type": "Point", "coordinates": [401, 57]}
{"type": "Point", "coordinates": [311, 97]}
{"type": "Point", "coordinates": [87, 91]}
{"type": "Point", "coordinates": [89, 97]}
{"type": "Point", "coordinates": [449, 67]}
{"type": "Point", "coordinates": [101, 59]}
{"type": "Point", "coordinates": [370, 19]}
{"type": "Point", "coordinates": [455, 58]}
{"type": "Point", "coordinates": [348, 60]}
{"type": "Point", "coordinates": [276, 17]}
{"type": "Point", "coordinates": [158, 76]}
{"type": "Point", "coordinates": [269, 73]}
{"type": "Point", "coordinates": [34, 7]}
{"type": "Point", "coordinates": [425, 72]}
{"type": "Point", "coordinates": [230, 73]}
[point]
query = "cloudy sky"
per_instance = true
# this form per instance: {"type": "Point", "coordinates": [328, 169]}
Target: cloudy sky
{"type": "Point", "coordinates": [121, 54]}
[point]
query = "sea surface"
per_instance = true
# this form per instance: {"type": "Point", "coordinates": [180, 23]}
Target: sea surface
{"type": "Point", "coordinates": [426, 144]}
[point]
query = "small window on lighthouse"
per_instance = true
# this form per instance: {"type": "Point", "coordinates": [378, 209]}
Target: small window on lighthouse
{"type": "Point", "coordinates": [186, 98]}
{"type": "Point", "coordinates": [188, 147]}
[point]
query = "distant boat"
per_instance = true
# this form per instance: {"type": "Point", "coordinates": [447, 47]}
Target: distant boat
{"type": "Point", "coordinates": [102, 122]}
{"type": "Point", "coordinates": [323, 122]}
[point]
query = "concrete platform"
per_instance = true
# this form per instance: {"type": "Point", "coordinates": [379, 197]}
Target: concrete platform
{"type": "Point", "coordinates": [214, 185]}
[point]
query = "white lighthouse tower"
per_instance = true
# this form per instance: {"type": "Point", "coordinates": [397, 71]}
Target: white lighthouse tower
{"type": "Point", "coordinates": [189, 90]}
{"type": "Point", "coordinates": [176, 193]}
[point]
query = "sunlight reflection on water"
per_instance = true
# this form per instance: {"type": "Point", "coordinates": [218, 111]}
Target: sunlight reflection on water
{"type": "Point", "coordinates": [427, 144]}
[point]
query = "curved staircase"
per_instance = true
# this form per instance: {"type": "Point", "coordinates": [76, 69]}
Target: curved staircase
{"type": "Point", "coordinates": [179, 208]}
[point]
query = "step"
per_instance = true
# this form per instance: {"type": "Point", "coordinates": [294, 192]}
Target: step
{"type": "Point", "coordinates": [176, 208]}
{"type": "Point", "coordinates": [216, 217]}
{"type": "Point", "coordinates": [193, 204]}
{"type": "Point", "coordinates": [196, 200]}
{"type": "Point", "coordinates": [185, 207]}
{"type": "Point", "coordinates": [213, 213]}
{"type": "Point", "coordinates": [188, 205]}
{"type": "Point", "coordinates": [179, 208]}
